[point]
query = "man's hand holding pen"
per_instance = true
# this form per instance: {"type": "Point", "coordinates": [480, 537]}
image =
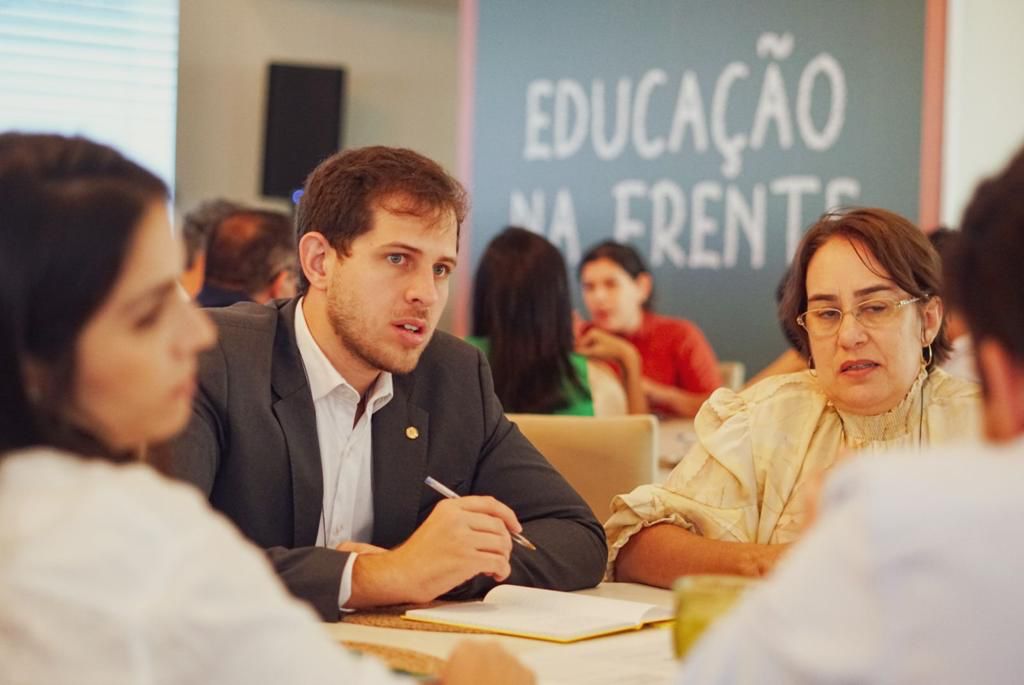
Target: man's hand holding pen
{"type": "Point", "coordinates": [459, 539]}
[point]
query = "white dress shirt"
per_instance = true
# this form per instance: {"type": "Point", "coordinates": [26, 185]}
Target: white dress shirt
{"type": "Point", "coordinates": [912, 574]}
{"type": "Point", "coordinates": [346, 450]}
{"type": "Point", "coordinates": [113, 575]}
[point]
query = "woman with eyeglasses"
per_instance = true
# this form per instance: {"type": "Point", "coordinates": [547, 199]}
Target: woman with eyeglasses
{"type": "Point", "coordinates": [861, 302]}
{"type": "Point", "coordinates": [108, 572]}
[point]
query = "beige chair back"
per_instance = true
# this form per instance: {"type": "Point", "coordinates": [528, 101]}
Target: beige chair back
{"type": "Point", "coordinates": [600, 456]}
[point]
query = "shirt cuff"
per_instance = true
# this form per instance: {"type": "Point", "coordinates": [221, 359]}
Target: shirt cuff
{"type": "Point", "coordinates": [345, 591]}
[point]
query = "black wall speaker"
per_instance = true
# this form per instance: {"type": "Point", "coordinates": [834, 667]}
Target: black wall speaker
{"type": "Point", "coordinates": [303, 124]}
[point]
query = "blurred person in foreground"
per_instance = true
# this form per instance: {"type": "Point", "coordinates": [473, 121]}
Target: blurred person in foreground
{"type": "Point", "coordinates": [522, 321]}
{"type": "Point", "coordinates": [250, 258]}
{"type": "Point", "coordinates": [111, 573]}
{"type": "Point", "coordinates": [910, 574]}
{"type": "Point", "coordinates": [862, 301]}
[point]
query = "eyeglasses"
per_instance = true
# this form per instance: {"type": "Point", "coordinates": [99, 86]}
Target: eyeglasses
{"type": "Point", "coordinates": [870, 314]}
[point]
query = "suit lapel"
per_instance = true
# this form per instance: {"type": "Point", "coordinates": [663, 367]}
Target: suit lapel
{"type": "Point", "coordinates": [297, 416]}
{"type": "Point", "coordinates": [399, 464]}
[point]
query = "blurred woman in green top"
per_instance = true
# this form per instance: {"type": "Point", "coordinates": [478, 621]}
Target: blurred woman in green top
{"type": "Point", "coordinates": [522, 321]}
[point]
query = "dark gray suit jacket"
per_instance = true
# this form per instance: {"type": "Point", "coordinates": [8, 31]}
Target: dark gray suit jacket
{"type": "Point", "coordinates": [252, 447]}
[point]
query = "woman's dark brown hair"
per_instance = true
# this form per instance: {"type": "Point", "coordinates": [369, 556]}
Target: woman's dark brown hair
{"type": "Point", "coordinates": [69, 209]}
{"type": "Point", "coordinates": [521, 306]}
{"type": "Point", "coordinates": [898, 246]}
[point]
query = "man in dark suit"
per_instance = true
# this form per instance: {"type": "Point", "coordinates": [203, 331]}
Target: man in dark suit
{"type": "Point", "coordinates": [318, 418]}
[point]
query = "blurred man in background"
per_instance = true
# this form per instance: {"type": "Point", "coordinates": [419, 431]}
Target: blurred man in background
{"type": "Point", "coordinates": [195, 232]}
{"type": "Point", "coordinates": [250, 257]}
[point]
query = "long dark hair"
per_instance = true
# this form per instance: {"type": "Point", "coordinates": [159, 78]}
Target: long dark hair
{"type": "Point", "coordinates": [69, 209]}
{"type": "Point", "coordinates": [521, 305]}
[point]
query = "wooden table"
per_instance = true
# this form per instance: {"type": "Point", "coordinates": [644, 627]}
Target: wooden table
{"type": "Point", "coordinates": [640, 657]}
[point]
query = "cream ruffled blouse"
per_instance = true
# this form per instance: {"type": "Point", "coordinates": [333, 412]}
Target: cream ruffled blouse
{"type": "Point", "coordinates": [758, 450]}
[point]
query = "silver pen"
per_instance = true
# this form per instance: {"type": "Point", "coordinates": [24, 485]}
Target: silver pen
{"type": "Point", "coordinates": [451, 494]}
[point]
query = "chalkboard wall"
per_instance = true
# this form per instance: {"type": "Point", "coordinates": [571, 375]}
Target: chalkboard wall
{"type": "Point", "coordinates": [707, 134]}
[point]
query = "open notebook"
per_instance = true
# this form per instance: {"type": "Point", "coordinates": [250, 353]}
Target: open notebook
{"type": "Point", "coordinates": [544, 614]}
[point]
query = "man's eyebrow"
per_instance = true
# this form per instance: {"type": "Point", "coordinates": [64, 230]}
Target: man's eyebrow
{"type": "Point", "coordinates": [397, 245]}
{"type": "Point", "coordinates": [400, 246]}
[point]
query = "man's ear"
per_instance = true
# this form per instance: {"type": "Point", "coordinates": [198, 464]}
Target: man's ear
{"type": "Point", "coordinates": [316, 257]}
{"type": "Point", "coordinates": [192, 278]}
{"type": "Point", "coordinates": [1002, 380]}
{"type": "Point", "coordinates": [931, 319]}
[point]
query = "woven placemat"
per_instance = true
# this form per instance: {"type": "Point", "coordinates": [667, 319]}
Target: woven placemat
{"type": "Point", "coordinates": [391, 617]}
{"type": "Point", "coordinates": [400, 659]}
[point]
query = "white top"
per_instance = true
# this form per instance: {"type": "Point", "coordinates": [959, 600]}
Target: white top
{"type": "Point", "coordinates": [114, 575]}
{"type": "Point", "coordinates": [346, 449]}
{"type": "Point", "coordinates": [910, 575]}
{"type": "Point", "coordinates": [606, 390]}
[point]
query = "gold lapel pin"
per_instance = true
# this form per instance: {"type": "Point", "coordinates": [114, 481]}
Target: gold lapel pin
{"type": "Point", "coordinates": [412, 433]}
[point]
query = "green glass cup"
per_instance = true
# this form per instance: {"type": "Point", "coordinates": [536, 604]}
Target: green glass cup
{"type": "Point", "coordinates": [699, 600]}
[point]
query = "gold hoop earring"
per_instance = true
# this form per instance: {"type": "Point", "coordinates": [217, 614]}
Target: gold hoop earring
{"type": "Point", "coordinates": [810, 367]}
{"type": "Point", "coordinates": [927, 356]}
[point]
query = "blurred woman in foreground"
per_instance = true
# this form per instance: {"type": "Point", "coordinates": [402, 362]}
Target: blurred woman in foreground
{"type": "Point", "coordinates": [110, 573]}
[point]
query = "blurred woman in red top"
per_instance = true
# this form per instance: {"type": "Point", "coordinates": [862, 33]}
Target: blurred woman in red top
{"type": "Point", "coordinates": [679, 367]}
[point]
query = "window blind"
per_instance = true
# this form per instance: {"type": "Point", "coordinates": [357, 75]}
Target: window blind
{"type": "Point", "coordinates": [106, 69]}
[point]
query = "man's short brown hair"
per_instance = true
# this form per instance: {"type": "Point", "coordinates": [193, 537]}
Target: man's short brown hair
{"type": "Point", "coordinates": [986, 262]}
{"type": "Point", "coordinates": [342, 192]}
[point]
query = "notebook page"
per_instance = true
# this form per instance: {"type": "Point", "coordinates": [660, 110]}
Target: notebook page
{"type": "Point", "coordinates": [546, 614]}
{"type": "Point", "coordinates": [614, 611]}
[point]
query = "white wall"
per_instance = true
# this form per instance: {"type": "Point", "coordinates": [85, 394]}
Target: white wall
{"type": "Point", "coordinates": [984, 113]}
{"type": "Point", "coordinates": [401, 89]}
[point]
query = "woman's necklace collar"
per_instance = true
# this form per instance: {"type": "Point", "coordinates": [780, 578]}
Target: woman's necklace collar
{"type": "Point", "coordinates": [898, 421]}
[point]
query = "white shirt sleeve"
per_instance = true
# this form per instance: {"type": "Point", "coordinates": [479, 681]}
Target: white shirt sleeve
{"type": "Point", "coordinates": [911, 575]}
{"type": "Point", "coordinates": [223, 616]}
{"type": "Point", "coordinates": [122, 577]}
{"type": "Point", "coordinates": [236, 625]}
{"type": "Point", "coordinates": [345, 590]}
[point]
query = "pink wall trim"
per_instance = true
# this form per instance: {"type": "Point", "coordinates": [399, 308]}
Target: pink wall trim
{"type": "Point", "coordinates": [932, 113]}
{"type": "Point", "coordinates": [468, 18]}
